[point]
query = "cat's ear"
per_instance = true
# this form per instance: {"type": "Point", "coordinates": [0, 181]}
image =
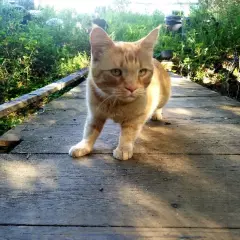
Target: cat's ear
{"type": "Point", "coordinates": [99, 40]}
{"type": "Point", "coordinates": [150, 40]}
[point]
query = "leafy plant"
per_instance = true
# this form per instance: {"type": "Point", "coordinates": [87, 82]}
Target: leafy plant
{"type": "Point", "coordinates": [34, 54]}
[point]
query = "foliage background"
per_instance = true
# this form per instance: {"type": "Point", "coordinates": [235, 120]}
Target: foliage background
{"type": "Point", "coordinates": [34, 54]}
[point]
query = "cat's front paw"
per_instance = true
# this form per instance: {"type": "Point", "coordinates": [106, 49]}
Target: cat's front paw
{"type": "Point", "coordinates": [80, 149]}
{"type": "Point", "coordinates": [123, 153]}
{"type": "Point", "coordinates": [157, 115]}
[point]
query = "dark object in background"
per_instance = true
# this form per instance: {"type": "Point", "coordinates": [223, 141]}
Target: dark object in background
{"type": "Point", "coordinates": [166, 54]}
{"type": "Point", "coordinates": [26, 18]}
{"type": "Point", "coordinates": [101, 23]}
{"type": "Point", "coordinates": [174, 23]}
{"type": "Point", "coordinates": [187, 50]}
{"type": "Point", "coordinates": [172, 20]}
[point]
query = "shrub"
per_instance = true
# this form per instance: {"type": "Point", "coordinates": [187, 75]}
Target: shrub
{"type": "Point", "coordinates": [213, 38]}
{"type": "Point", "coordinates": [33, 54]}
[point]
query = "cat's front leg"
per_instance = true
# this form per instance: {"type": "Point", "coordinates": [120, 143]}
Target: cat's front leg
{"type": "Point", "coordinates": [92, 129]}
{"type": "Point", "coordinates": [129, 133]}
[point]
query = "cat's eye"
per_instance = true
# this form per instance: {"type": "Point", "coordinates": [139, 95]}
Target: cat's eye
{"type": "Point", "coordinates": [116, 72]}
{"type": "Point", "coordinates": [142, 72]}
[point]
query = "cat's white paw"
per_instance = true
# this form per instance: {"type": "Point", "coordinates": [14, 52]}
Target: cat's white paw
{"type": "Point", "coordinates": [123, 153]}
{"type": "Point", "coordinates": [157, 116]}
{"type": "Point", "coordinates": [80, 149]}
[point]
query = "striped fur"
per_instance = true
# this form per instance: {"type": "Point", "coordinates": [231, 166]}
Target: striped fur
{"type": "Point", "coordinates": [131, 98]}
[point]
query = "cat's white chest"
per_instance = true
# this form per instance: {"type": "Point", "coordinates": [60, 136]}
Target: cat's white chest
{"type": "Point", "coordinates": [121, 113]}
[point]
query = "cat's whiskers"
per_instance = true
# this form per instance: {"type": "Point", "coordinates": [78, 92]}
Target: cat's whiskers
{"type": "Point", "coordinates": [104, 101]}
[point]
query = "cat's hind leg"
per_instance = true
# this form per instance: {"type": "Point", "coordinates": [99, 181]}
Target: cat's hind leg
{"type": "Point", "coordinates": [157, 115]}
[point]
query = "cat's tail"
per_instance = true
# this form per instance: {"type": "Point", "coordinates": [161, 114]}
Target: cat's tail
{"type": "Point", "coordinates": [165, 84]}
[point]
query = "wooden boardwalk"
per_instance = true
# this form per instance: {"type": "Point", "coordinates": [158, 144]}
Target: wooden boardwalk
{"type": "Point", "coordinates": [182, 183]}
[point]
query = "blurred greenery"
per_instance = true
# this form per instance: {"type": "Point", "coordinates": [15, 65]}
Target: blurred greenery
{"type": "Point", "coordinates": [211, 46]}
{"type": "Point", "coordinates": [35, 54]}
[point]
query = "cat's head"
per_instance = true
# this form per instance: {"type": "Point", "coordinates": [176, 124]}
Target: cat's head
{"type": "Point", "coordinates": [122, 70]}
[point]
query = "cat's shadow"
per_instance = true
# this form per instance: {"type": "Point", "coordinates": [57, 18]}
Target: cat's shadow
{"type": "Point", "coordinates": [182, 181]}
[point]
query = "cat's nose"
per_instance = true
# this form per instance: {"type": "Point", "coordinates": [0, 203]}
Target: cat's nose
{"type": "Point", "coordinates": [131, 88]}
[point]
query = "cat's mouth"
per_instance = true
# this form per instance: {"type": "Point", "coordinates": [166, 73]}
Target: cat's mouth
{"type": "Point", "coordinates": [128, 98]}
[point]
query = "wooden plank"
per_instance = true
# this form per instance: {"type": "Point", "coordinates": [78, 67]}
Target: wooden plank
{"type": "Point", "coordinates": [185, 102]}
{"type": "Point", "coordinates": [36, 95]}
{"type": "Point", "coordinates": [57, 117]}
{"type": "Point", "coordinates": [189, 90]}
{"type": "Point", "coordinates": [188, 138]}
{"type": "Point", "coordinates": [79, 92]}
{"type": "Point", "coordinates": [181, 115]}
{"type": "Point", "coordinates": [152, 190]}
{"type": "Point", "coordinates": [187, 193]}
{"type": "Point", "coordinates": [12, 137]}
{"type": "Point", "coordinates": [113, 233]}
{"type": "Point", "coordinates": [52, 118]}
{"type": "Point", "coordinates": [18, 103]}
{"type": "Point", "coordinates": [199, 102]}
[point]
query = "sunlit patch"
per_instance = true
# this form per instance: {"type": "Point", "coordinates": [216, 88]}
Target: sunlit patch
{"type": "Point", "coordinates": [182, 111]}
{"type": "Point", "coordinates": [157, 207]}
{"type": "Point", "coordinates": [134, 195]}
{"type": "Point", "coordinates": [19, 175]}
{"type": "Point", "coordinates": [25, 176]}
{"type": "Point", "coordinates": [84, 161]}
{"type": "Point", "coordinates": [234, 110]}
{"type": "Point", "coordinates": [177, 84]}
{"type": "Point", "coordinates": [174, 84]}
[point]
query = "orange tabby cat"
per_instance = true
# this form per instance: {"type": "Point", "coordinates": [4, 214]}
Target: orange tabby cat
{"type": "Point", "coordinates": [124, 84]}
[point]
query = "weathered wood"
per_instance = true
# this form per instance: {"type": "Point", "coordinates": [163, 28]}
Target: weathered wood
{"type": "Point", "coordinates": [79, 92]}
{"type": "Point", "coordinates": [152, 190]}
{"type": "Point", "coordinates": [181, 115]}
{"type": "Point", "coordinates": [184, 88]}
{"type": "Point", "coordinates": [192, 92]}
{"type": "Point", "coordinates": [37, 95]}
{"type": "Point", "coordinates": [182, 183]}
{"type": "Point", "coordinates": [12, 137]}
{"type": "Point", "coordinates": [185, 102]}
{"type": "Point", "coordinates": [200, 138]}
{"type": "Point", "coordinates": [115, 233]}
